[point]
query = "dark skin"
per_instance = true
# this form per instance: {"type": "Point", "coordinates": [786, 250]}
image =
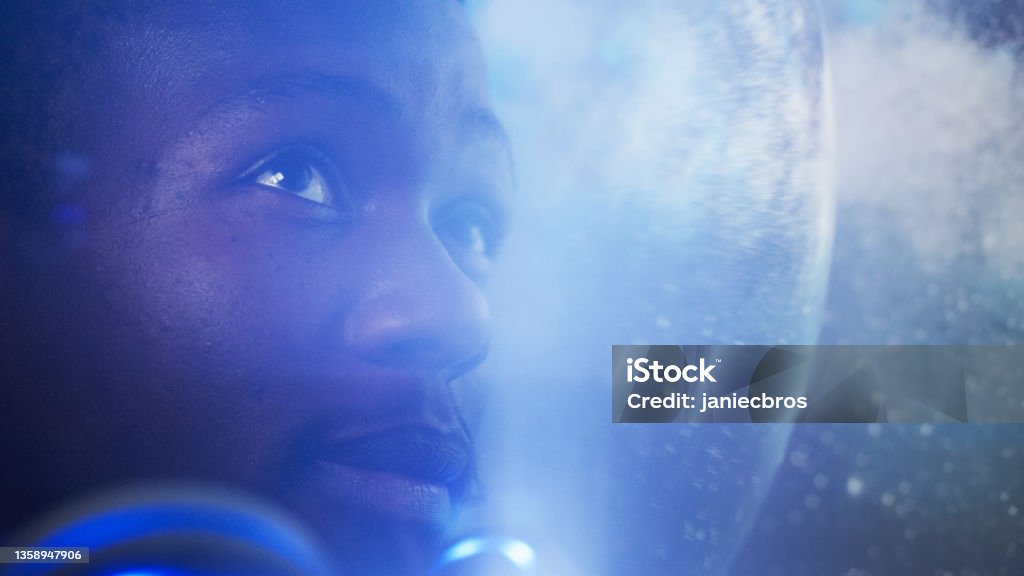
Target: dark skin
{"type": "Point", "coordinates": [274, 279]}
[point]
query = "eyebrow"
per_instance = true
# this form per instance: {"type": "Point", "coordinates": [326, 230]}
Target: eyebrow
{"type": "Point", "coordinates": [349, 87]}
{"type": "Point", "coordinates": [478, 124]}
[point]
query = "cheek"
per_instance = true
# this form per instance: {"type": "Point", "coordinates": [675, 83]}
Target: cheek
{"type": "Point", "coordinates": [196, 325]}
{"type": "Point", "coordinates": [221, 298]}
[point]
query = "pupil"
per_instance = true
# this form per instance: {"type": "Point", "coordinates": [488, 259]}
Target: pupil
{"type": "Point", "coordinates": [295, 174]}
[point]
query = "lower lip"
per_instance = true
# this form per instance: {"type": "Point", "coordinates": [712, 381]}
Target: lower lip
{"type": "Point", "coordinates": [384, 493]}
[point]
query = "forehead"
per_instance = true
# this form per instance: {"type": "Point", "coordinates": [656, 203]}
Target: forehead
{"type": "Point", "coordinates": [168, 62]}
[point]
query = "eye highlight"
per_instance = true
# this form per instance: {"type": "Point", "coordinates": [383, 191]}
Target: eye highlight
{"type": "Point", "coordinates": [302, 172]}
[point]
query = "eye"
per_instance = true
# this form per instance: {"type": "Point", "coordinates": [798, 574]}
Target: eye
{"type": "Point", "coordinates": [299, 171]}
{"type": "Point", "coordinates": [471, 230]}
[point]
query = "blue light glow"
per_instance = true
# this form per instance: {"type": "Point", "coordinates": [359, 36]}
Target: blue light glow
{"type": "Point", "coordinates": [518, 553]}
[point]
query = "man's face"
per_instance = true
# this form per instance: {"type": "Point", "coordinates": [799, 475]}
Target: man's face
{"type": "Point", "coordinates": [286, 213]}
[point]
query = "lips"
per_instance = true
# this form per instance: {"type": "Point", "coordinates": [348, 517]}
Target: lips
{"type": "Point", "coordinates": [409, 474]}
{"type": "Point", "coordinates": [418, 453]}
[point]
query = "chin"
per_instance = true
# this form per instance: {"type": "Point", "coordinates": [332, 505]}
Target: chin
{"type": "Point", "coordinates": [370, 522]}
{"type": "Point", "coordinates": [362, 543]}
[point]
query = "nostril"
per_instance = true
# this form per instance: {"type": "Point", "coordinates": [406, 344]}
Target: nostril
{"type": "Point", "coordinates": [452, 356]}
{"type": "Point", "coordinates": [461, 368]}
{"type": "Point", "coordinates": [421, 333]}
{"type": "Point", "coordinates": [408, 351]}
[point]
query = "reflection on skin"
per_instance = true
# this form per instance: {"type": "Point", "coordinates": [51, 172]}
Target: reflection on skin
{"type": "Point", "coordinates": [263, 267]}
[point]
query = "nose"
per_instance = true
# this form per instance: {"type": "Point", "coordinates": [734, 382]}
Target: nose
{"type": "Point", "coordinates": [421, 312]}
